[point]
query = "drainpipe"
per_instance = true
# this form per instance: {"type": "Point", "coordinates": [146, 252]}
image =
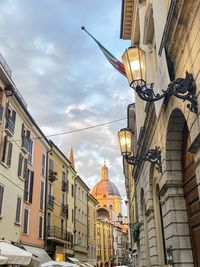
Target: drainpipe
{"type": "Point", "coordinates": [46, 196]}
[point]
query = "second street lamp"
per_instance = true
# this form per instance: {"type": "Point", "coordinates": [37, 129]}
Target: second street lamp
{"type": "Point", "coordinates": [183, 88]}
{"type": "Point", "coordinates": [125, 141]}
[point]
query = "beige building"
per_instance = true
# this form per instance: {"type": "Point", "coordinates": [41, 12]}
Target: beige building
{"type": "Point", "coordinates": [60, 205]}
{"type": "Point", "coordinates": [92, 207]}
{"type": "Point", "coordinates": [167, 201]}
{"type": "Point", "coordinates": [81, 220]}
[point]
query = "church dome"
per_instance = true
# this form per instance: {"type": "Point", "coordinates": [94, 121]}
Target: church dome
{"type": "Point", "coordinates": [105, 186]}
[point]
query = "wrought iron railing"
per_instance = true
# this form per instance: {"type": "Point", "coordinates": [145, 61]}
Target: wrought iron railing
{"type": "Point", "coordinates": [56, 232]}
{"type": "Point", "coordinates": [5, 66]}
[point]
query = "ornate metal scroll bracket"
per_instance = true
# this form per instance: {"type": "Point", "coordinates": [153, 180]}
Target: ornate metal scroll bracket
{"type": "Point", "coordinates": [183, 88]}
{"type": "Point", "coordinates": [153, 156]}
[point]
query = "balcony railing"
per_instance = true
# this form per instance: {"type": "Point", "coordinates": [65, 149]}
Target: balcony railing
{"type": "Point", "coordinates": [64, 186]}
{"type": "Point", "coordinates": [64, 209]}
{"type": "Point", "coordinates": [50, 201]}
{"type": "Point", "coordinates": [5, 66]}
{"type": "Point", "coordinates": [52, 175]}
{"type": "Point", "coordinates": [10, 127]}
{"type": "Point", "coordinates": [56, 232]}
{"type": "Point", "coordinates": [25, 144]}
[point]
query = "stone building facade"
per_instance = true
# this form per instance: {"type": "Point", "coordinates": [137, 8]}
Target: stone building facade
{"type": "Point", "coordinates": [168, 204]}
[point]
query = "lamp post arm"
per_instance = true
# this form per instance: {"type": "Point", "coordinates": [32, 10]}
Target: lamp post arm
{"type": "Point", "coordinates": [183, 88]}
{"type": "Point", "coordinates": [153, 156]}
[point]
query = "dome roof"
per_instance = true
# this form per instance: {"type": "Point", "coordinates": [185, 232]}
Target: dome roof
{"type": "Point", "coordinates": [105, 186]}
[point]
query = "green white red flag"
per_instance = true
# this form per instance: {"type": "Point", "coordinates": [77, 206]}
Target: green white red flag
{"type": "Point", "coordinates": [118, 65]}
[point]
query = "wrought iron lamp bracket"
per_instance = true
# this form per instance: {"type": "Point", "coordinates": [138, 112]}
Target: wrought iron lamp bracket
{"type": "Point", "coordinates": [183, 88]}
{"type": "Point", "coordinates": [153, 156]}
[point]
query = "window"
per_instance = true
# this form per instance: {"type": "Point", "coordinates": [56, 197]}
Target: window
{"type": "Point", "coordinates": [63, 177]}
{"type": "Point", "coordinates": [41, 220]}
{"type": "Point", "coordinates": [10, 120]}
{"type": "Point", "coordinates": [1, 198]}
{"type": "Point", "coordinates": [72, 215]}
{"type": "Point", "coordinates": [30, 151]}
{"type": "Point", "coordinates": [51, 165]}
{"type": "Point", "coordinates": [72, 190]}
{"type": "Point", "coordinates": [26, 221]}
{"type": "Point", "coordinates": [42, 188]}
{"type": "Point", "coordinates": [48, 220]}
{"type": "Point", "coordinates": [18, 210]}
{"type": "Point", "coordinates": [28, 187]}
{"type": "Point", "coordinates": [7, 152]}
{"type": "Point", "coordinates": [63, 198]}
{"type": "Point", "coordinates": [22, 166]}
{"type": "Point", "coordinates": [43, 164]}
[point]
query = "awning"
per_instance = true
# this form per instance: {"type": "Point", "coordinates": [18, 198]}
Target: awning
{"type": "Point", "coordinates": [74, 260]}
{"type": "Point", "coordinates": [40, 253]}
{"type": "Point", "coordinates": [58, 264]}
{"type": "Point", "coordinates": [88, 264]}
{"type": "Point", "coordinates": [3, 260]}
{"type": "Point", "coordinates": [14, 254]}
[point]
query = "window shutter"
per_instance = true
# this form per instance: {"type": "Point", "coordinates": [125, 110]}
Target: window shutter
{"type": "Point", "coordinates": [10, 146]}
{"type": "Point", "coordinates": [42, 196]}
{"type": "Point", "coordinates": [25, 173]}
{"type": "Point", "coordinates": [26, 217]}
{"type": "Point", "coordinates": [18, 210]}
{"type": "Point", "coordinates": [7, 112]}
{"type": "Point", "coordinates": [4, 149]}
{"type": "Point", "coordinates": [22, 133]}
{"type": "Point", "coordinates": [13, 116]}
{"type": "Point", "coordinates": [40, 227]}
{"type": "Point", "coordinates": [26, 183]}
{"type": "Point", "coordinates": [20, 165]}
{"type": "Point", "coordinates": [31, 187]}
{"type": "Point", "coordinates": [1, 198]}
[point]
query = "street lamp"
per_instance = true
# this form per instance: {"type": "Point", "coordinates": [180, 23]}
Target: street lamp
{"type": "Point", "coordinates": [125, 141]}
{"type": "Point", "coordinates": [119, 218]}
{"type": "Point", "coordinates": [135, 67]}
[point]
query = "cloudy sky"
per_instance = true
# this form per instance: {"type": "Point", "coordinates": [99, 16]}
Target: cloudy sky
{"type": "Point", "coordinates": [64, 77]}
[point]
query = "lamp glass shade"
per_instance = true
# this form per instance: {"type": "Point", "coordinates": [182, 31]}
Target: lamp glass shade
{"type": "Point", "coordinates": [125, 138]}
{"type": "Point", "coordinates": [134, 63]}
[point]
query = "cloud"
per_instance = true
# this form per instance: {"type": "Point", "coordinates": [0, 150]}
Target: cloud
{"type": "Point", "coordinates": [64, 77]}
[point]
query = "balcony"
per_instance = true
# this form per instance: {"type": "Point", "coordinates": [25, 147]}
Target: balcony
{"type": "Point", "coordinates": [25, 144]}
{"type": "Point", "coordinates": [64, 186]}
{"type": "Point", "coordinates": [10, 127]}
{"type": "Point", "coordinates": [56, 233]}
{"type": "Point", "coordinates": [1, 112]}
{"type": "Point", "coordinates": [64, 210]}
{"type": "Point", "coordinates": [52, 176]}
{"type": "Point", "coordinates": [50, 202]}
{"type": "Point", "coordinates": [98, 258]}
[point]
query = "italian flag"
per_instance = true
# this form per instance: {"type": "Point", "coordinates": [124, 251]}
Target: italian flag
{"type": "Point", "coordinates": [118, 65]}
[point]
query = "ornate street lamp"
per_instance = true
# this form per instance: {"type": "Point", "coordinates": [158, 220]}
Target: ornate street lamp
{"type": "Point", "coordinates": [183, 88]}
{"type": "Point", "coordinates": [125, 141]}
{"type": "Point", "coordinates": [119, 218]}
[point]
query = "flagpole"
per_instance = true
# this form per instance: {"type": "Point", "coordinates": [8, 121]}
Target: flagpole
{"type": "Point", "coordinates": [84, 29]}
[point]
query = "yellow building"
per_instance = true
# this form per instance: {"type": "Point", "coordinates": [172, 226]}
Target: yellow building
{"type": "Point", "coordinates": [60, 205]}
{"type": "Point", "coordinates": [92, 206]}
{"type": "Point", "coordinates": [104, 243]}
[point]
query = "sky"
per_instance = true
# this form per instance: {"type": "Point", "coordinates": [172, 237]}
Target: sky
{"type": "Point", "coordinates": [65, 79]}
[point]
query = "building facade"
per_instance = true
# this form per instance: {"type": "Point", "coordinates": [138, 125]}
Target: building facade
{"type": "Point", "coordinates": [92, 207]}
{"type": "Point", "coordinates": [59, 225]}
{"type": "Point", "coordinates": [81, 220]}
{"type": "Point", "coordinates": [167, 202]}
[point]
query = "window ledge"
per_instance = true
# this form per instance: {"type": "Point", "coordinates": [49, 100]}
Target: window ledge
{"type": "Point", "coordinates": [17, 223]}
{"type": "Point", "coordinates": [21, 178]}
{"type": "Point", "coordinates": [4, 164]}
